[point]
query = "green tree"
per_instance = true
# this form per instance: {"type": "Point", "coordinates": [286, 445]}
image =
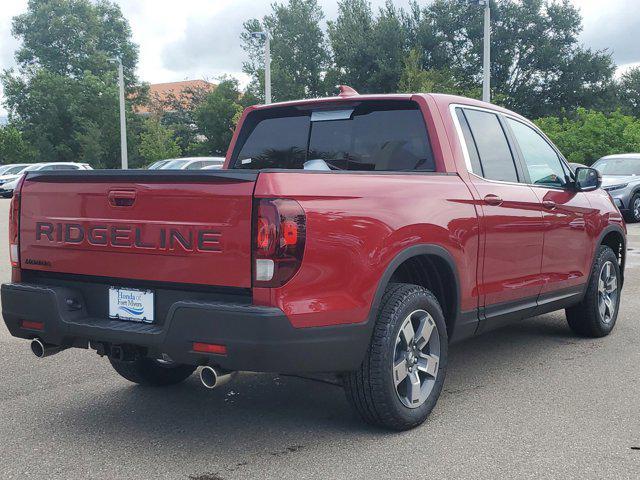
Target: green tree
{"type": "Point", "coordinates": [538, 66]}
{"type": "Point", "coordinates": [217, 115]}
{"type": "Point", "coordinates": [64, 94]}
{"type": "Point", "coordinates": [589, 135]}
{"type": "Point", "coordinates": [13, 148]}
{"type": "Point", "coordinates": [629, 92]}
{"type": "Point", "coordinates": [177, 112]}
{"type": "Point", "coordinates": [416, 80]}
{"type": "Point", "coordinates": [157, 142]}
{"type": "Point", "coordinates": [299, 56]}
{"type": "Point", "coordinates": [368, 51]}
{"type": "Point", "coordinates": [69, 37]}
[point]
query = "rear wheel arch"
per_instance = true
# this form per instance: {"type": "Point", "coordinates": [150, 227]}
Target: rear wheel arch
{"type": "Point", "coordinates": [430, 266]}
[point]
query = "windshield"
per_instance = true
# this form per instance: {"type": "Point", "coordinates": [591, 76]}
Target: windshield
{"type": "Point", "coordinates": [618, 166]}
{"type": "Point", "coordinates": [173, 164]}
{"type": "Point", "coordinates": [158, 164]}
{"type": "Point", "coordinates": [372, 135]}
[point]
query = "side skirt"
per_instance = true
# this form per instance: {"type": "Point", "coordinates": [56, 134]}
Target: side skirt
{"type": "Point", "coordinates": [498, 315]}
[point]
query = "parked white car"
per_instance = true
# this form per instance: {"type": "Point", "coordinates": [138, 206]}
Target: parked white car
{"type": "Point", "coordinates": [9, 172]}
{"type": "Point", "coordinates": [6, 189]}
{"type": "Point", "coordinates": [192, 163]}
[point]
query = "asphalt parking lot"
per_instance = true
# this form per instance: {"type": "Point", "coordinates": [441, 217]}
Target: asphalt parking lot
{"type": "Point", "coordinates": [527, 401]}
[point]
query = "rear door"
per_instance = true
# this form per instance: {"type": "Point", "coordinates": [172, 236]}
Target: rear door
{"type": "Point", "coordinates": [178, 227]}
{"type": "Point", "coordinates": [565, 262]}
{"type": "Point", "coordinates": [511, 222]}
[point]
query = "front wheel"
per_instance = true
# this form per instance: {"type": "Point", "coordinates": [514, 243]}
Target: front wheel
{"type": "Point", "coordinates": [596, 315]}
{"type": "Point", "coordinates": [633, 215]}
{"type": "Point", "coordinates": [401, 377]}
{"type": "Point", "coordinates": [151, 372]}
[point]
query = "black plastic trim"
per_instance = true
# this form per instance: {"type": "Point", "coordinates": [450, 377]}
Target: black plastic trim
{"type": "Point", "coordinates": [175, 176]}
{"type": "Point", "coordinates": [414, 251]}
{"type": "Point", "coordinates": [501, 314]}
{"type": "Point", "coordinates": [257, 338]}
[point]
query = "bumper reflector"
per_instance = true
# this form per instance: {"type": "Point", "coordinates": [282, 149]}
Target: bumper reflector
{"type": "Point", "coordinates": [29, 325]}
{"type": "Point", "coordinates": [209, 348]}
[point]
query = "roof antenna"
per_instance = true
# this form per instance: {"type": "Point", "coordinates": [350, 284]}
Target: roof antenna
{"type": "Point", "coordinates": [346, 91]}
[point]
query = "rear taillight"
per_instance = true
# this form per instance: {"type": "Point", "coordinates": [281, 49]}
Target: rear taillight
{"type": "Point", "coordinates": [279, 238]}
{"type": "Point", "coordinates": [14, 226]}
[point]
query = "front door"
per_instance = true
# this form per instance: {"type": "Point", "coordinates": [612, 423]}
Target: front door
{"type": "Point", "coordinates": [565, 262]}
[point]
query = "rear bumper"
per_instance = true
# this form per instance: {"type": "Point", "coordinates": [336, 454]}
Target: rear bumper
{"type": "Point", "coordinates": [259, 339]}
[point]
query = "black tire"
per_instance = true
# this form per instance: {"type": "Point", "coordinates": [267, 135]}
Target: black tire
{"type": "Point", "coordinates": [633, 214]}
{"type": "Point", "coordinates": [371, 389]}
{"type": "Point", "coordinates": [150, 372]}
{"type": "Point", "coordinates": [586, 318]}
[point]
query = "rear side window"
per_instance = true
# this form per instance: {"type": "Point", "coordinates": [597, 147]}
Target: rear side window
{"type": "Point", "coordinates": [492, 147]}
{"type": "Point", "coordinates": [380, 136]}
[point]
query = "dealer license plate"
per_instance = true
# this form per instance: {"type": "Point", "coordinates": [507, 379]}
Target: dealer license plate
{"type": "Point", "coordinates": [131, 304]}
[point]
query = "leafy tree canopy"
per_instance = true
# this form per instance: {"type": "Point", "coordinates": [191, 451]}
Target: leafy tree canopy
{"type": "Point", "coordinates": [629, 92]}
{"type": "Point", "coordinates": [217, 115]}
{"type": "Point", "coordinates": [70, 37]}
{"type": "Point", "coordinates": [157, 142]}
{"type": "Point", "coordinates": [589, 135]}
{"type": "Point", "coordinates": [13, 148]}
{"type": "Point", "coordinates": [299, 54]}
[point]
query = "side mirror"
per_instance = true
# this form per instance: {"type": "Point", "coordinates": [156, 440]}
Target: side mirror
{"type": "Point", "coordinates": [587, 179]}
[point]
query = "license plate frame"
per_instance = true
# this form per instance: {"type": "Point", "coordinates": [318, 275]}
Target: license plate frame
{"type": "Point", "coordinates": [132, 304]}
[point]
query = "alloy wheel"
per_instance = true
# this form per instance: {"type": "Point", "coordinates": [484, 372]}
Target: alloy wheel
{"type": "Point", "coordinates": [416, 358]}
{"type": "Point", "coordinates": [636, 209]}
{"type": "Point", "coordinates": [607, 292]}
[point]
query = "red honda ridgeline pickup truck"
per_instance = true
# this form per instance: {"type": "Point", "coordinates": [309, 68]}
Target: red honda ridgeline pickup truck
{"type": "Point", "coordinates": [359, 234]}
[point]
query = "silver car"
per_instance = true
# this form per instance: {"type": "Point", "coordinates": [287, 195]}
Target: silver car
{"type": "Point", "coordinates": [621, 178]}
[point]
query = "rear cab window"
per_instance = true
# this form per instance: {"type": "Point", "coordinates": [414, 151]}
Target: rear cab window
{"type": "Point", "coordinates": [359, 136]}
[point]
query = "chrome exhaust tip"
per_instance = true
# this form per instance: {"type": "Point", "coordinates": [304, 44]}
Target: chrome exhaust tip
{"type": "Point", "coordinates": [41, 349]}
{"type": "Point", "coordinates": [214, 377]}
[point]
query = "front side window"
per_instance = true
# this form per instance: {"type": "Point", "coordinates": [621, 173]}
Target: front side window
{"type": "Point", "coordinates": [493, 149]}
{"type": "Point", "coordinates": [542, 161]}
{"type": "Point", "coordinates": [368, 136]}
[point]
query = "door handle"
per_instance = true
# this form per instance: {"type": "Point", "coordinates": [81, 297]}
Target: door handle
{"type": "Point", "coordinates": [122, 198]}
{"type": "Point", "coordinates": [549, 204]}
{"type": "Point", "coordinates": [492, 199]}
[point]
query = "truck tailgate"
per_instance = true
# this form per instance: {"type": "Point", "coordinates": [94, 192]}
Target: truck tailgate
{"type": "Point", "coordinates": [179, 227]}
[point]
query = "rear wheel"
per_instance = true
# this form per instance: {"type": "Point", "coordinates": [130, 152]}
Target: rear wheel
{"type": "Point", "coordinates": [596, 315]}
{"type": "Point", "coordinates": [151, 372]}
{"type": "Point", "coordinates": [401, 377]}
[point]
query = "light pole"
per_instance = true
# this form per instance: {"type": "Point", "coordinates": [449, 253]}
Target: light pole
{"type": "Point", "coordinates": [267, 63]}
{"type": "Point", "coordinates": [486, 62]}
{"type": "Point", "coordinates": [123, 117]}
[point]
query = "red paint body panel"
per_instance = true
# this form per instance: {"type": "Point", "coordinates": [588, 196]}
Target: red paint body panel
{"type": "Point", "coordinates": [356, 225]}
{"type": "Point", "coordinates": [189, 208]}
